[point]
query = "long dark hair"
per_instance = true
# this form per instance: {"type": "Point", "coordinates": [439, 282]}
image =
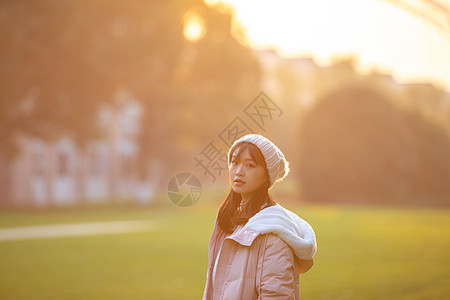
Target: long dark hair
{"type": "Point", "coordinates": [229, 217]}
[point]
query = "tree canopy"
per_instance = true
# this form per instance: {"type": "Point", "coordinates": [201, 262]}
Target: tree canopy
{"type": "Point", "coordinates": [356, 146]}
{"type": "Point", "coordinates": [62, 59]}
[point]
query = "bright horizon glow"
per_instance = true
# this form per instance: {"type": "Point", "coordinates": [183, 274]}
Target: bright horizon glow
{"type": "Point", "coordinates": [380, 36]}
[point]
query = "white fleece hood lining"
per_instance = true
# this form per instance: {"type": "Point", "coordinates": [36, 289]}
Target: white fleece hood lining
{"type": "Point", "coordinates": [293, 230]}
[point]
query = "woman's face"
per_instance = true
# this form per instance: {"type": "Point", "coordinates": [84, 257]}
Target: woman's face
{"type": "Point", "coordinates": [245, 175]}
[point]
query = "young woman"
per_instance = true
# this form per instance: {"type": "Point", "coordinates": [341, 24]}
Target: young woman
{"type": "Point", "coordinates": [257, 248]}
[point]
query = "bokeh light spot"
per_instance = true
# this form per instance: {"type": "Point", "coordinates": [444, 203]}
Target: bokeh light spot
{"type": "Point", "coordinates": [194, 27]}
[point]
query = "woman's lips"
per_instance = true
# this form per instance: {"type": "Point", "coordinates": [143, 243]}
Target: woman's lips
{"type": "Point", "coordinates": [239, 182]}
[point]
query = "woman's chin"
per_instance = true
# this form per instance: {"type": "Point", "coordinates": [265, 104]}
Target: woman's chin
{"type": "Point", "coordinates": [237, 190]}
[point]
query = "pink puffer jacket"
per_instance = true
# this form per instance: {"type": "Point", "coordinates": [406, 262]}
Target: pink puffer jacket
{"type": "Point", "coordinates": [262, 260]}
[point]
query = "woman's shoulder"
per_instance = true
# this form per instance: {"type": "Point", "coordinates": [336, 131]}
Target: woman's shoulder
{"type": "Point", "coordinates": [273, 240]}
{"type": "Point", "coordinates": [278, 250]}
{"type": "Point", "coordinates": [275, 249]}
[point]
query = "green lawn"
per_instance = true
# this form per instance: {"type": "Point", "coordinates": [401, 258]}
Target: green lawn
{"type": "Point", "coordinates": [363, 253]}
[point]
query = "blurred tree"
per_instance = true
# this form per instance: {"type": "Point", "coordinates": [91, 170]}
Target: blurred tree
{"type": "Point", "coordinates": [430, 179]}
{"type": "Point", "coordinates": [358, 147]}
{"type": "Point", "coordinates": [431, 102]}
{"type": "Point", "coordinates": [61, 59]}
{"type": "Point", "coordinates": [341, 72]}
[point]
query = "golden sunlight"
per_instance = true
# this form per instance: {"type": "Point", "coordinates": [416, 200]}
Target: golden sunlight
{"type": "Point", "coordinates": [194, 27]}
{"type": "Point", "coordinates": [380, 35]}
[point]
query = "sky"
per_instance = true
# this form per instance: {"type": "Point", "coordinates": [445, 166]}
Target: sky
{"type": "Point", "coordinates": [380, 35]}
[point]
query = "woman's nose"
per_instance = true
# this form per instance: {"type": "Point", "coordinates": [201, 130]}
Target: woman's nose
{"type": "Point", "coordinates": [239, 170]}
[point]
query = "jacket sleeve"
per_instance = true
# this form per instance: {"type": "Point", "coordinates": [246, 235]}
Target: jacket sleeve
{"type": "Point", "coordinates": [207, 291]}
{"type": "Point", "coordinates": [276, 270]}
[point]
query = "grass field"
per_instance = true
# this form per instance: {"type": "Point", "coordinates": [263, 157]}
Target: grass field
{"type": "Point", "coordinates": [363, 253]}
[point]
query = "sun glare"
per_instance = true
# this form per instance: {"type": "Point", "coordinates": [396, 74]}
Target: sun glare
{"type": "Point", "coordinates": [380, 35]}
{"type": "Point", "coordinates": [194, 27]}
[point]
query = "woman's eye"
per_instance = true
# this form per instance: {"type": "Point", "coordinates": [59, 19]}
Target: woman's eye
{"type": "Point", "coordinates": [250, 165]}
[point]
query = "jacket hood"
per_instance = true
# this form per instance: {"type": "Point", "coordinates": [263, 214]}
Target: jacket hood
{"type": "Point", "coordinates": [293, 230]}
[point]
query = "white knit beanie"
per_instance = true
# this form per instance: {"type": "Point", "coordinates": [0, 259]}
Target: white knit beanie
{"type": "Point", "coordinates": [277, 165]}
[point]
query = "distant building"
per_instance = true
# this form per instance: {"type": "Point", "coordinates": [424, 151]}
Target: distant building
{"type": "Point", "coordinates": [288, 79]}
{"type": "Point", "coordinates": [61, 173]}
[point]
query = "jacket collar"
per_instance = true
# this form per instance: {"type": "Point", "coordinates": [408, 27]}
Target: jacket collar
{"type": "Point", "coordinates": [275, 219]}
{"type": "Point", "coordinates": [244, 236]}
